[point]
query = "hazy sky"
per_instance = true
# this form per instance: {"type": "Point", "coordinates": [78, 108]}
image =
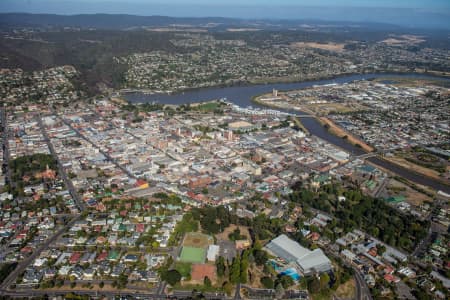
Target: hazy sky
{"type": "Point", "coordinates": [413, 13]}
{"type": "Point", "coordinates": [96, 5]}
{"type": "Point", "coordinates": [363, 3]}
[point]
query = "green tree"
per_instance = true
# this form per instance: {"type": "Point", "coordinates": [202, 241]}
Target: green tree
{"type": "Point", "coordinates": [122, 282]}
{"type": "Point", "coordinates": [261, 257]}
{"type": "Point", "coordinates": [207, 281]}
{"type": "Point", "coordinates": [324, 281]}
{"type": "Point", "coordinates": [227, 287]}
{"type": "Point", "coordinates": [267, 282]}
{"type": "Point", "coordinates": [381, 249]}
{"type": "Point", "coordinates": [303, 283]}
{"type": "Point", "coordinates": [235, 270]}
{"type": "Point", "coordinates": [172, 277]}
{"type": "Point", "coordinates": [59, 282]}
{"type": "Point", "coordinates": [220, 266]}
{"type": "Point", "coordinates": [313, 285]}
{"type": "Point", "coordinates": [286, 281]}
{"type": "Point", "coordinates": [257, 245]}
{"type": "Point", "coordinates": [244, 267]}
{"type": "Point", "coordinates": [279, 291]}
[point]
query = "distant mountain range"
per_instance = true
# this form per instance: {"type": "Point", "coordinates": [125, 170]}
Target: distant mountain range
{"type": "Point", "coordinates": [427, 15]}
{"type": "Point", "coordinates": [100, 21]}
{"type": "Point", "coordinates": [122, 22]}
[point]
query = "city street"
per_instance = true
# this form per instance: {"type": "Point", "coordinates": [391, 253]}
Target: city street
{"type": "Point", "coordinates": [61, 171]}
{"type": "Point", "coordinates": [11, 279]}
{"type": "Point", "coordinates": [79, 134]}
{"type": "Point", "coordinates": [362, 290]}
{"type": "Point", "coordinates": [5, 145]}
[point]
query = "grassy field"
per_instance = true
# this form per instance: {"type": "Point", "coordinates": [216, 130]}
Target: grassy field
{"type": "Point", "coordinates": [183, 268]}
{"type": "Point", "coordinates": [412, 197]}
{"type": "Point", "coordinates": [414, 82]}
{"type": "Point", "coordinates": [230, 229]}
{"type": "Point", "coordinates": [323, 109]}
{"type": "Point", "coordinates": [192, 255]}
{"type": "Point", "coordinates": [207, 106]}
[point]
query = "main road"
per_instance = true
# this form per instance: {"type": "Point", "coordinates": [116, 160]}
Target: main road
{"type": "Point", "coordinates": [105, 154]}
{"type": "Point", "coordinates": [24, 263]}
{"type": "Point", "coordinates": [91, 293]}
{"type": "Point", "coordinates": [12, 277]}
{"type": "Point", "coordinates": [362, 290]}
{"type": "Point", "coordinates": [62, 172]}
{"type": "Point", "coordinates": [5, 145]}
{"type": "Point", "coordinates": [435, 228]}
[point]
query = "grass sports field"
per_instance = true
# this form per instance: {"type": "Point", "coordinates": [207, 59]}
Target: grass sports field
{"type": "Point", "coordinates": [183, 268]}
{"type": "Point", "coordinates": [192, 254]}
{"type": "Point", "coordinates": [197, 240]}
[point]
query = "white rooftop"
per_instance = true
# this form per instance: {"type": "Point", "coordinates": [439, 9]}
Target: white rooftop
{"type": "Point", "coordinates": [291, 251]}
{"type": "Point", "coordinates": [316, 259]}
{"type": "Point", "coordinates": [213, 252]}
{"type": "Point", "coordinates": [286, 248]}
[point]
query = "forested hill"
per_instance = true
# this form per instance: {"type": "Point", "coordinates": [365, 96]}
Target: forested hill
{"type": "Point", "coordinates": [123, 21]}
{"type": "Point", "coordinates": [102, 21]}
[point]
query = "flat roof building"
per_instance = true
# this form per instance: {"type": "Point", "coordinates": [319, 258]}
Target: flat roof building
{"type": "Point", "coordinates": [213, 252]}
{"type": "Point", "coordinates": [307, 261]}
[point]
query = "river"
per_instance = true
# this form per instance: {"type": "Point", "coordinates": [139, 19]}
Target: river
{"type": "Point", "coordinates": [242, 96]}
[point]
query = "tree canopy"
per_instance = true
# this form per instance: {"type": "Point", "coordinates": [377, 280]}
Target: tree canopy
{"type": "Point", "coordinates": [172, 277]}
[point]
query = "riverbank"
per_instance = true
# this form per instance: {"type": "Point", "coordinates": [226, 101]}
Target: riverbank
{"type": "Point", "coordinates": [333, 128]}
{"type": "Point", "coordinates": [249, 83]}
{"type": "Point", "coordinates": [300, 125]}
{"type": "Point", "coordinates": [408, 175]}
{"type": "Point", "coordinates": [271, 104]}
{"type": "Point", "coordinates": [258, 100]}
{"type": "Point", "coordinates": [119, 100]}
{"type": "Point", "coordinates": [283, 80]}
{"type": "Point", "coordinates": [419, 188]}
{"type": "Point", "coordinates": [416, 168]}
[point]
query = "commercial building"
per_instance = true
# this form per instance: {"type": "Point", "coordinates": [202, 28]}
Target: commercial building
{"type": "Point", "coordinates": [213, 252]}
{"type": "Point", "coordinates": [308, 262]}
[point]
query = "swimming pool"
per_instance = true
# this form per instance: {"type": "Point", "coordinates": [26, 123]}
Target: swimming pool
{"type": "Point", "coordinates": [275, 265]}
{"type": "Point", "coordinates": [291, 272]}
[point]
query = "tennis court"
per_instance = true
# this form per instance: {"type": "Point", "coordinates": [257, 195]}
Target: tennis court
{"type": "Point", "coordinates": [192, 254]}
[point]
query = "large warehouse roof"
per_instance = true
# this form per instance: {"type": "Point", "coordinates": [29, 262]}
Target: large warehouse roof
{"type": "Point", "coordinates": [315, 260]}
{"type": "Point", "coordinates": [286, 248]}
{"type": "Point", "coordinates": [291, 251]}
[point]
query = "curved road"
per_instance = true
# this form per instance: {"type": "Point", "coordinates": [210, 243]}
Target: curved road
{"type": "Point", "coordinates": [362, 290]}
